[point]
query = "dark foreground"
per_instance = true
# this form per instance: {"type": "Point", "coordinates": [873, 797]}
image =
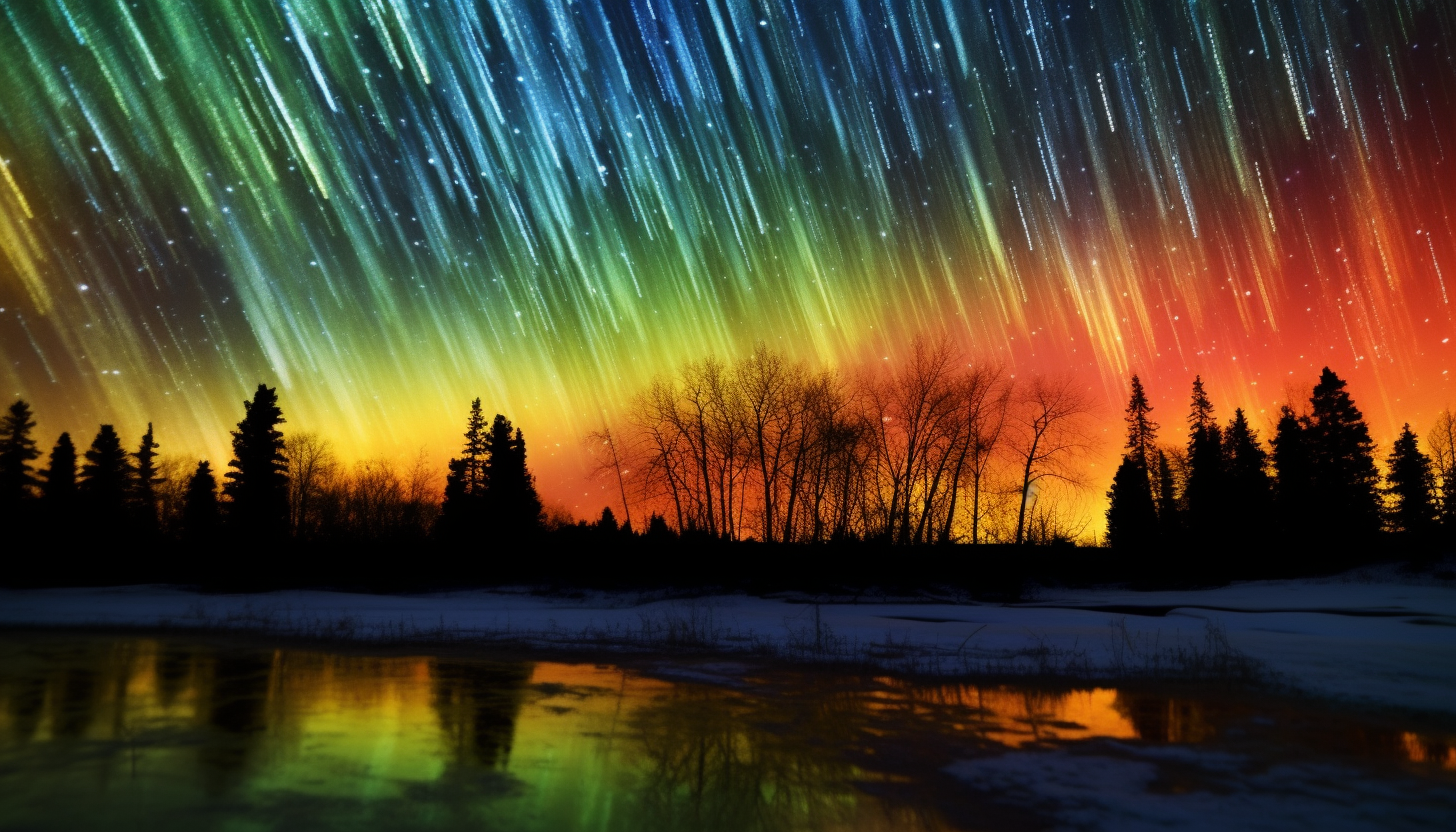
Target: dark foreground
{"type": "Point", "coordinates": [130, 731]}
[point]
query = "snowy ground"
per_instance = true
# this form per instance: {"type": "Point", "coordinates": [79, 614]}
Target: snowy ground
{"type": "Point", "coordinates": [1108, 785]}
{"type": "Point", "coordinates": [1383, 642]}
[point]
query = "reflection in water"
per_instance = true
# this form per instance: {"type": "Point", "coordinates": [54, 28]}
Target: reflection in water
{"type": "Point", "coordinates": [167, 734]}
{"type": "Point", "coordinates": [1015, 717]}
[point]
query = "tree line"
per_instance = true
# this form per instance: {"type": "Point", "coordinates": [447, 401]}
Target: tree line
{"type": "Point", "coordinates": [275, 488]}
{"type": "Point", "coordinates": [937, 450]}
{"type": "Point", "coordinates": [934, 450]}
{"type": "Point", "coordinates": [1313, 491]}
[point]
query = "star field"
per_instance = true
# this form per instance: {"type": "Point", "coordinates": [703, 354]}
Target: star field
{"type": "Point", "coordinates": [387, 207]}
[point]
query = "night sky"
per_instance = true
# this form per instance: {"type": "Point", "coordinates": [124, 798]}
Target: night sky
{"type": "Point", "coordinates": [388, 207]}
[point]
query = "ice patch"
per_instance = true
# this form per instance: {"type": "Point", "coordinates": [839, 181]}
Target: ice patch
{"type": "Point", "coordinates": [1114, 786]}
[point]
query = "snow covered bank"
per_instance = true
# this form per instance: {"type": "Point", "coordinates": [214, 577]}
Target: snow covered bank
{"type": "Point", "coordinates": [1387, 643]}
{"type": "Point", "coordinates": [1109, 785]}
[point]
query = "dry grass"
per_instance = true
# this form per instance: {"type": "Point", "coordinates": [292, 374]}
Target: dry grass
{"type": "Point", "coordinates": [698, 628]}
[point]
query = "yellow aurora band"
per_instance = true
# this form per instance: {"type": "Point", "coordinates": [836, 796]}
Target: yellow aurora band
{"type": "Point", "coordinates": [387, 207]}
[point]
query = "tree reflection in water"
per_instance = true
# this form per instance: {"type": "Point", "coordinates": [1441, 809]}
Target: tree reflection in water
{"type": "Point", "coordinates": [716, 760]}
{"type": "Point", "coordinates": [478, 704]}
{"type": "Point", "coordinates": [147, 732]}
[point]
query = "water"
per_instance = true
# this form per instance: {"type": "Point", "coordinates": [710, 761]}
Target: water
{"type": "Point", "coordinates": [125, 732]}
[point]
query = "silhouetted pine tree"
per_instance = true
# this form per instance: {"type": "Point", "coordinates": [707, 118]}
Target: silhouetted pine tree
{"type": "Point", "coordinates": [1412, 488]}
{"type": "Point", "coordinates": [1293, 476]}
{"type": "Point", "coordinates": [17, 450]}
{"type": "Point", "coordinates": [465, 484]}
{"type": "Point", "coordinates": [1170, 514]}
{"type": "Point", "coordinates": [475, 454]}
{"type": "Point", "coordinates": [58, 483]}
{"type": "Point", "coordinates": [1205, 491]}
{"type": "Point", "coordinates": [145, 483]}
{"type": "Point", "coordinates": [513, 507]}
{"type": "Point", "coordinates": [106, 483]}
{"type": "Point", "coordinates": [658, 531]}
{"type": "Point", "coordinates": [1142, 431]}
{"type": "Point", "coordinates": [1343, 474]}
{"type": "Point", "coordinates": [201, 519]}
{"type": "Point", "coordinates": [1132, 518]}
{"type": "Point", "coordinates": [257, 487]}
{"type": "Point", "coordinates": [607, 524]}
{"type": "Point", "coordinates": [1249, 492]}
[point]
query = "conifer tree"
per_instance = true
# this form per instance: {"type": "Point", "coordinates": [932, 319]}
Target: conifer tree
{"type": "Point", "coordinates": [1132, 517]}
{"type": "Point", "coordinates": [1170, 514]}
{"type": "Point", "coordinates": [513, 507]}
{"type": "Point", "coordinates": [1294, 495]}
{"type": "Point", "coordinates": [257, 487]}
{"type": "Point", "coordinates": [1342, 456]}
{"type": "Point", "coordinates": [58, 480]}
{"type": "Point", "coordinates": [106, 482]}
{"type": "Point", "coordinates": [465, 483]}
{"type": "Point", "coordinates": [607, 523]}
{"type": "Point", "coordinates": [1412, 488]}
{"type": "Point", "coordinates": [17, 451]}
{"type": "Point", "coordinates": [1205, 491]}
{"type": "Point", "coordinates": [201, 519]}
{"type": "Point", "coordinates": [1142, 431]}
{"type": "Point", "coordinates": [145, 482]}
{"type": "Point", "coordinates": [58, 495]}
{"type": "Point", "coordinates": [1250, 496]}
{"type": "Point", "coordinates": [475, 452]}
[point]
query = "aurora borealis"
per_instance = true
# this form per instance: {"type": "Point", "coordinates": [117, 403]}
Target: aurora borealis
{"type": "Point", "coordinates": [388, 207]}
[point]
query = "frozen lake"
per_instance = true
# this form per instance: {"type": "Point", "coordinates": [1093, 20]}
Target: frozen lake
{"type": "Point", "coordinates": [159, 731]}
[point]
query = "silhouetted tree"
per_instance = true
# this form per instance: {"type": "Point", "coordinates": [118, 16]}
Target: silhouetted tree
{"type": "Point", "coordinates": [1049, 437]}
{"type": "Point", "coordinates": [313, 470]}
{"type": "Point", "coordinates": [463, 512]}
{"type": "Point", "coordinates": [603, 447]}
{"type": "Point", "coordinates": [17, 450]}
{"type": "Point", "coordinates": [1132, 519]}
{"type": "Point", "coordinates": [1342, 455]}
{"type": "Point", "coordinates": [1441, 441]}
{"type": "Point", "coordinates": [106, 483]}
{"type": "Point", "coordinates": [513, 507]}
{"type": "Point", "coordinates": [658, 531]}
{"type": "Point", "coordinates": [1170, 513]}
{"type": "Point", "coordinates": [1132, 516]}
{"type": "Point", "coordinates": [145, 483]}
{"type": "Point", "coordinates": [201, 518]}
{"type": "Point", "coordinates": [1294, 494]}
{"type": "Point", "coordinates": [1204, 492]}
{"type": "Point", "coordinates": [985, 400]}
{"type": "Point", "coordinates": [1412, 488]}
{"type": "Point", "coordinates": [476, 453]}
{"type": "Point", "coordinates": [257, 487]}
{"type": "Point", "coordinates": [58, 483]}
{"type": "Point", "coordinates": [607, 524]}
{"type": "Point", "coordinates": [1249, 495]}
{"type": "Point", "coordinates": [1142, 431]}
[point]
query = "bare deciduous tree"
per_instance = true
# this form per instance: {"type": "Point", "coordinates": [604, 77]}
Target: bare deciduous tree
{"type": "Point", "coordinates": [912, 410]}
{"type": "Point", "coordinates": [312, 467]}
{"type": "Point", "coordinates": [173, 473]}
{"type": "Point", "coordinates": [983, 400]}
{"type": "Point", "coordinates": [1050, 437]}
{"type": "Point", "coordinates": [915, 454]}
{"type": "Point", "coordinates": [1441, 439]}
{"type": "Point", "coordinates": [608, 459]}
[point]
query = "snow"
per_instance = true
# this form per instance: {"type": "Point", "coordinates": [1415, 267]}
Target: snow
{"type": "Point", "coordinates": [1112, 785]}
{"type": "Point", "coordinates": [1386, 642]}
